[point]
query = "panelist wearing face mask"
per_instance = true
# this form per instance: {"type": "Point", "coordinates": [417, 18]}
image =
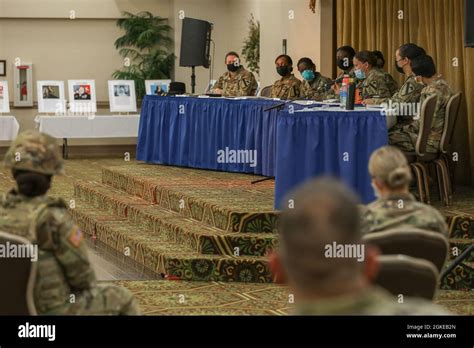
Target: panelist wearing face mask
{"type": "Point", "coordinates": [373, 83]}
{"type": "Point", "coordinates": [314, 85]}
{"type": "Point", "coordinates": [405, 137]}
{"type": "Point", "coordinates": [236, 81]}
{"type": "Point", "coordinates": [410, 92]}
{"type": "Point", "coordinates": [344, 61]}
{"type": "Point", "coordinates": [288, 87]}
{"type": "Point", "coordinates": [395, 207]}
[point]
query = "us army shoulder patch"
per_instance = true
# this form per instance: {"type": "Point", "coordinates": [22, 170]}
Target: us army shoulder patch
{"type": "Point", "coordinates": [75, 236]}
{"type": "Point", "coordinates": [408, 89]}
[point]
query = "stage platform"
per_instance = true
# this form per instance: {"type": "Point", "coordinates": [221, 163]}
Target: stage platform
{"type": "Point", "coordinates": [211, 230]}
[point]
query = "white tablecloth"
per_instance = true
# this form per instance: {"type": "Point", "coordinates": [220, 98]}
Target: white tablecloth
{"type": "Point", "coordinates": [9, 128]}
{"type": "Point", "coordinates": [89, 127]}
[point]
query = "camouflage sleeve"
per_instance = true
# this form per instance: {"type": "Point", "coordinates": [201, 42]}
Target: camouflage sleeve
{"type": "Point", "coordinates": [219, 84]}
{"type": "Point", "coordinates": [252, 86]}
{"type": "Point", "coordinates": [365, 219]}
{"type": "Point", "coordinates": [295, 91]}
{"type": "Point", "coordinates": [57, 232]}
{"type": "Point", "coordinates": [376, 87]}
{"type": "Point", "coordinates": [305, 90]}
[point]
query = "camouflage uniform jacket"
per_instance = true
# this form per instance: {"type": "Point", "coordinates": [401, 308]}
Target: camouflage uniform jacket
{"type": "Point", "coordinates": [243, 84]}
{"type": "Point", "coordinates": [441, 89]}
{"type": "Point", "coordinates": [375, 85]}
{"type": "Point", "coordinates": [286, 88]}
{"type": "Point", "coordinates": [398, 211]}
{"type": "Point", "coordinates": [63, 267]}
{"type": "Point", "coordinates": [372, 301]}
{"type": "Point", "coordinates": [316, 89]}
{"type": "Point", "coordinates": [392, 84]}
{"type": "Point", "coordinates": [408, 95]}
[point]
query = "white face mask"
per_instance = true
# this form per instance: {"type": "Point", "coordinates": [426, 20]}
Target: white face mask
{"type": "Point", "coordinates": [376, 192]}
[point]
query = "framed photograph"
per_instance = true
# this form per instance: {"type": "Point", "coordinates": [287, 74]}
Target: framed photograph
{"type": "Point", "coordinates": [4, 100]}
{"type": "Point", "coordinates": [82, 97]}
{"type": "Point", "coordinates": [51, 97]}
{"type": "Point", "coordinates": [157, 87]}
{"type": "Point", "coordinates": [3, 68]}
{"type": "Point", "coordinates": [23, 85]}
{"type": "Point", "coordinates": [122, 96]}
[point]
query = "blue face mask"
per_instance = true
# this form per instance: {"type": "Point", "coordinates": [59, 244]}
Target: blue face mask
{"type": "Point", "coordinates": [308, 75]}
{"type": "Point", "coordinates": [359, 74]}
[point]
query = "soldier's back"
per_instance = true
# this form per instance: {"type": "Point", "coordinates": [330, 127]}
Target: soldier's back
{"type": "Point", "coordinates": [401, 211]}
{"type": "Point", "coordinates": [371, 301]}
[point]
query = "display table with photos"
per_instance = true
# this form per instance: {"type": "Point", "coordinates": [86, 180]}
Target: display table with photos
{"type": "Point", "coordinates": [327, 142]}
{"type": "Point", "coordinates": [9, 127]}
{"type": "Point", "coordinates": [94, 126]}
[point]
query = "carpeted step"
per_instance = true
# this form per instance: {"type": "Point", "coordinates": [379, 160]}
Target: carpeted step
{"type": "Point", "coordinates": [457, 247]}
{"type": "Point", "coordinates": [173, 226]}
{"type": "Point", "coordinates": [212, 198]}
{"type": "Point", "coordinates": [460, 226]}
{"type": "Point", "coordinates": [461, 278]}
{"type": "Point", "coordinates": [162, 256]}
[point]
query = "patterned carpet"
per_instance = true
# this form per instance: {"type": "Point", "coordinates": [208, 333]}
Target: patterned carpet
{"type": "Point", "coordinates": [208, 217]}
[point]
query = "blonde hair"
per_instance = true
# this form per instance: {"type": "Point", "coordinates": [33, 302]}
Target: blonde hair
{"type": "Point", "coordinates": [390, 167]}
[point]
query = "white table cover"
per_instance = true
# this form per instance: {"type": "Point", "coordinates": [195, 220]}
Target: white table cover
{"type": "Point", "coordinates": [9, 128]}
{"type": "Point", "coordinates": [99, 126]}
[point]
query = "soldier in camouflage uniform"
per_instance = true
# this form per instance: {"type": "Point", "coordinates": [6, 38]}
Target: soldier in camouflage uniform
{"type": "Point", "coordinates": [315, 86]}
{"type": "Point", "coordinates": [391, 83]}
{"type": "Point", "coordinates": [236, 82]}
{"type": "Point", "coordinates": [396, 207]}
{"type": "Point", "coordinates": [344, 61]}
{"type": "Point", "coordinates": [405, 137]}
{"type": "Point", "coordinates": [373, 82]}
{"type": "Point", "coordinates": [65, 282]}
{"type": "Point", "coordinates": [408, 96]}
{"type": "Point", "coordinates": [325, 214]}
{"type": "Point", "coordinates": [288, 87]}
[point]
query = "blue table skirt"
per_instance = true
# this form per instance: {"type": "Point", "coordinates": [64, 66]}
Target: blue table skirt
{"type": "Point", "coordinates": [332, 143]}
{"type": "Point", "coordinates": [205, 126]}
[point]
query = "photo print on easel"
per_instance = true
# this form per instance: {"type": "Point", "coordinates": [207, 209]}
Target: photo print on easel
{"type": "Point", "coordinates": [157, 87]}
{"type": "Point", "coordinates": [82, 97]}
{"type": "Point", "coordinates": [122, 96]}
{"type": "Point", "coordinates": [4, 100]}
{"type": "Point", "coordinates": [51, 98]}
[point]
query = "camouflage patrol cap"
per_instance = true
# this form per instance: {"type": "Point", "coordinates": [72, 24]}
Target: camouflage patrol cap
{"type": "Point", "coordinates": [35, 152]}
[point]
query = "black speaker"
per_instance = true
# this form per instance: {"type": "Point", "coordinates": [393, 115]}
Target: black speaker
{"type": "Point", "coordinates": [195, 43]}
{"type": "Point", "coordinates": [469, 23]}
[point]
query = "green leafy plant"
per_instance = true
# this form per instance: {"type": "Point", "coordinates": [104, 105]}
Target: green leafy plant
{"type": "Point", "coordinates": [146, 49]}
{"type": "Point", "coordinates": [251, 49]}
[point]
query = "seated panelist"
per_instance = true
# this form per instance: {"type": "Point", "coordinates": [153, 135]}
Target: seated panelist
{"type": "Point", "coordinates": [288, 87]}
{"type": "Point", "coordinates": [372, 82]}
{"type": "Point", "coordinates": [236, 81]}
{"type": "Point", "coordinates": [314, 85]}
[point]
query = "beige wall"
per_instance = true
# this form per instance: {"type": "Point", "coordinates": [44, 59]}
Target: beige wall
{"type": "Point", "coordinates": [60, 48]}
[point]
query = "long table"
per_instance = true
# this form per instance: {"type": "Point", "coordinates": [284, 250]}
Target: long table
{"type": "Point", "coordinates": [291, 144]}
{"type": "Point", "coordinates": [81, 127]}
{"type": "Point", "coordinates": [208, 133]}
{"type": "Point", "coordinates": [9, 128]}
{"type": "Point", "coordinates": [327, 143]}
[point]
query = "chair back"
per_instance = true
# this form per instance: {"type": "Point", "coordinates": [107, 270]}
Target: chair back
{"type": "Point", "coordinates": [428, 109]}
{"type": "Point", "coordinates": [18, 277]}
{"type": "Point", "coordinates": [266, 91]}
{"type": "Point", "coordinates": [418, 243]}
{"type": "Point", "coordinates": [407, 276]}
{"type": "Point", "coordinates": [452, 112]}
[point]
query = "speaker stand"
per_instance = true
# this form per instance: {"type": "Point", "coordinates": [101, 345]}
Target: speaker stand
{"type": "Point", "coordinates": [193, 80]}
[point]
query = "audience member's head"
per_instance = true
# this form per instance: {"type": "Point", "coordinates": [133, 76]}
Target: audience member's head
{"type": "Point", "coordinates": [423, 68]}
{"type": "Point", "coordinates": [307, 68]}
{"type": "Point", "coordinates": [325, 214]}
{"type": "Point", "coordinates": [390, 171]}
{"type": "Point", "coordinates": [284, 65]}
{"type": "Point", "coordinates": [344, 57]}
{"type": "Point", "coordinates": [380, 59]}
{"type": "Point", "coordinates": [404, 55]}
